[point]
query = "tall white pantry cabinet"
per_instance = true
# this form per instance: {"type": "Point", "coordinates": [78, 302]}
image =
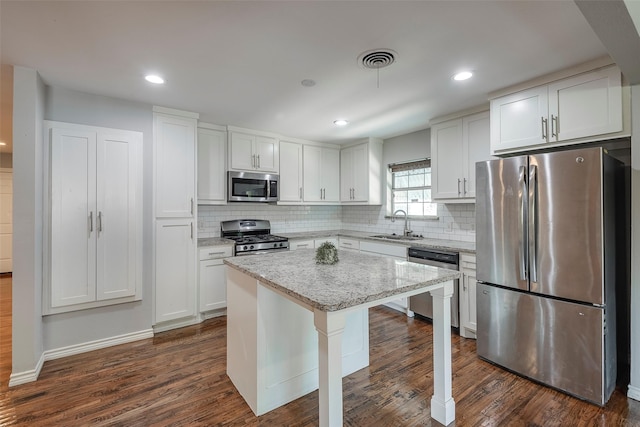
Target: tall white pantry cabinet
{"type": "Point", "coordinates": [93, 236]}
{"type": "Point", "coordinates": [174, 137]}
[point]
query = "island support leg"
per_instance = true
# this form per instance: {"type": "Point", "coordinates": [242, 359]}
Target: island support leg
{"type": "Point", "coordinates": [330, 326]}
{"type": "Point", "coordinates": [443, 407]}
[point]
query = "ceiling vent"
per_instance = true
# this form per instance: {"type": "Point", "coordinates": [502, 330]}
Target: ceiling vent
{"type": "Point", "coordinates": [377, 58]}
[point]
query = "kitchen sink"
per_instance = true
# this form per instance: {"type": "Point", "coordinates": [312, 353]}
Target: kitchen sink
{"type": "Point", "coordinates": [396, 237]}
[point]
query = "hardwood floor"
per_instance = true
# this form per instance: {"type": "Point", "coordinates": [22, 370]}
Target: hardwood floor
{"type": "Point", "coordinates": [178, 378]}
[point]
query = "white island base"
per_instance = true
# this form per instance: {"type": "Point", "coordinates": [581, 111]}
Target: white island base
{"type": "Point", "coordinates": [291, 321]}
{"type": "Point", "coordinates": [272, 344]}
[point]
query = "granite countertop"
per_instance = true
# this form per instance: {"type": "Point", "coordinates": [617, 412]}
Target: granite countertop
{"type": "Point", "coordinates": [356, 279]}
{"type": "Point", "coordinates": [454, 245]}
{"type": "Point", "coordinates": [215, 241]}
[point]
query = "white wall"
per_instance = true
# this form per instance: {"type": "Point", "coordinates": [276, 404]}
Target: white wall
{"type": "Point", "coordinates": [284, 219]}
{"type": "Point", "coordinates": [28, 107]}
{"type": "Point", "coordinates": [62, 330]}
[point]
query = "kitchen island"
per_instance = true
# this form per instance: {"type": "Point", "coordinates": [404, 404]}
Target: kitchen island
{"type": "Point", "coordinates": [277, 302]}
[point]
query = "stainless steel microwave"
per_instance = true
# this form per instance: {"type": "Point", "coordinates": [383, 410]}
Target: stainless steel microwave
{"type": "Point", "coordinates": [252, 187]}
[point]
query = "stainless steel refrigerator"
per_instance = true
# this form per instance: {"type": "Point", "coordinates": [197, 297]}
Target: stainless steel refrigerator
{"type": "Point", "coordinates": [546, 249]}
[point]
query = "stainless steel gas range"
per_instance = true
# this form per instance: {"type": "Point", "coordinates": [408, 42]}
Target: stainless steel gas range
{"type": "Point", "coordinates": [253, 236]}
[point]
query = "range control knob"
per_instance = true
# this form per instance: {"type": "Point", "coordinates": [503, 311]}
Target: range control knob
{"type": "Point", "coordinates": [251, 247]}
{"type": "Point", "coordinates": [275, 245]}
{"type": "Point", "coordinates": [244, 247]}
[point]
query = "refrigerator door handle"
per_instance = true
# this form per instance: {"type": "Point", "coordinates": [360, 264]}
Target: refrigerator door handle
{"type": "Point", "coordinates": [523, 238]}
{"type": "Point", "coordinates": [533, 222]}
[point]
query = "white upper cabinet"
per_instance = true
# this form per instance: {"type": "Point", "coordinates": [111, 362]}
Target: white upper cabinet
{"type": "Point", "coordinates": [94, 239]}
{"type": "Point", "coordinates": [212, 151]}
{"type": "Point", "coordinates": [582, 108]}
{"type": "Point", "coordinates": [360, 173]}
{"type": "Point", "coordinates": [175, 175]}
{"type": "Point", "coordinates": [585, 105]}
{"type": "Point", "coordinates": [291, 172]}
{"type": "Point", "coordinates": [456, 146]}
{"type": "Point", "coordinates": [321, 174]}
{"type": "Point", "coordinates": [249, 152]}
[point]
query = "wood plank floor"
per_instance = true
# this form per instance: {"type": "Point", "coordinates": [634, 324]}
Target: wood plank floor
{"type": "Point", "coordinates": [178, 378]}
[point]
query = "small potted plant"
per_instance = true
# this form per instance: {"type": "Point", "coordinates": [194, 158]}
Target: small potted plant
{"type": "Point", "coordinates": [326, 254]}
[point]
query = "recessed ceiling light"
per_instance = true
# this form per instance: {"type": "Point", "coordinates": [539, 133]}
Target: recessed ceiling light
{"type": "Point", "coordinates": [308, 83]}
{"type": "Point", "coordinates": [153, 78]}
{"type": "Point", "coordinates": [340, 122]}
{"type": "Point", "coordinates": [463, 75]}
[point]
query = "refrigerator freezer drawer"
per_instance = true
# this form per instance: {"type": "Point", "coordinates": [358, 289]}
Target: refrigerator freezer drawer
{"type": "Point", "coordinates": [558, 343]}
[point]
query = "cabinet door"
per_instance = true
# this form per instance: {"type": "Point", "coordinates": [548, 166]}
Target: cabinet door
{"type": "Point", "coordinates": [119, 203]}
{"type": "Point", "coordinates": [73, 217]}
{"type": "Point", "coordinates": [346, 175]}
{"type": "Point", "coordinates": [468, 318]}
{"type": "Point", "coordinates": [241, 151]}
{"type": "Point", "coordinates": [175, 292]}
{"type": "Point", "coordinates": [330, 174]}
{"type": "Point", "coordinates": [519, 119]}
{"type": "Point", "coordinates": [476, 148]}
{"type": "Point", "coordinates": [291, 174]}
{"type": "Point", "coordinates": [360, 165]}
{"type": "Point", "coordinates": [446, 160]}
{"type": "Point", "coordinates": [267, 154]}
{"type": "Point", "coordinates": [586, 105]}
{"type": "Point", "coordinates": [313, 173]}
{"type": "Point", "coordinates": [213, 285]}
{"type": "Point", "coordinates": [175, 148]}
{"type": "Point", "coordinates": [211, 166]}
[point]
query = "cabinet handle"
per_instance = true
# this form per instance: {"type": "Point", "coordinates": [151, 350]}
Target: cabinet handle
{"type": "Point", "coordinates": [100, 222]}
{"type": "Point", "coordinates": [91, 222]}
{"type": "Point", "coordinates": [554, 126]}
{"type": "Point", "coordinates": [216, 253]}
{"type": "Point", "coordinates": [458, 187]}
{"type": "Point", "coordinates": [258, 161]}
{"type": "Point", "coordinates": [464, 186]}
{"type": "Point", "coordinates": [192, 206]}
{"type": "Point", "coordinates": [544, 128]}
{"type": "Point", "coordinates": [253, 161]}
{"type": "Point", "coordinates": [300, 193]}
{"type": "Point", "coordinates": [191, 225]}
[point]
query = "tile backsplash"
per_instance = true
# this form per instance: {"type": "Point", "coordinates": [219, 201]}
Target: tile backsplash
{"type": "Point", "coordinates": [454, 222]}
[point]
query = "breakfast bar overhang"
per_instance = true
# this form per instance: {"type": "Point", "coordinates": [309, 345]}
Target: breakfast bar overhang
{"type": "Point", "coordinates": [275, 301]}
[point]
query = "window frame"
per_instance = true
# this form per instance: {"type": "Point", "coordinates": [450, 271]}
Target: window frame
{"type": "Point", "coordinates": [393, 169]}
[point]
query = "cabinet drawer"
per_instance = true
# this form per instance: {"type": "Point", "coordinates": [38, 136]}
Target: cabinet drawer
{"type": "Point", "coordinates": [349, 244]}
{"type": "Point", "coordinates": [300, 244]}
{"type": "Point", "coordinates": [213, 252]}
{"type": "Point", "coordinates": [467, 262]}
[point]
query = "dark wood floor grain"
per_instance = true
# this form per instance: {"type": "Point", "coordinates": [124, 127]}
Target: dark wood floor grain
{"type": "Point", "coordinates": [178, 379]}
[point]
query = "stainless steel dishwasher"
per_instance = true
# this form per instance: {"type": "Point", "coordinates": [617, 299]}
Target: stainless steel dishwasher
{"type": "Point", "coordinates": [422, 304]}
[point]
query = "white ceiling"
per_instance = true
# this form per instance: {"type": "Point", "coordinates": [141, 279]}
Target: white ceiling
{"type": "Point", "coordinates": [241, 63]}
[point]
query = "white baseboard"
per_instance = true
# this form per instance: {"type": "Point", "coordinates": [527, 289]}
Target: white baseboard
{"type": "Point", "coordinates": [97, 345]}
{"type": "Point", "coordinates": [175, 324]}
{"type": "Point", "coordinates": [27, 376]}
{"type": "Point", "coordinates": [32, 375]}
{"type": "Point", "coordinates": [633, 392]}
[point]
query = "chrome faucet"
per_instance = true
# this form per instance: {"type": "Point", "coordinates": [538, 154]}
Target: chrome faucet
{"type": "Point", "coordinates": [406, 230]}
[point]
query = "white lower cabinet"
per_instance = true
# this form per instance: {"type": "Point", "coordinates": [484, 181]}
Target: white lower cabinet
{"type": "Point", "coordinates": [468, 323]}
{"type": "Point", "coordinates": [212, 280]}
{"type": "Point", "coordinates": [345, 243]}
{"type": "Point", "coordinates": [175, 293]}
{"type": "Point", "coordinates": [301, 244]}
{"type": "Point", "coordinates": [390, 251]}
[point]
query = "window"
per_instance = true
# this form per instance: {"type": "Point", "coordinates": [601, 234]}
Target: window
{"type": "Point", "coordinates": [411, 188]}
